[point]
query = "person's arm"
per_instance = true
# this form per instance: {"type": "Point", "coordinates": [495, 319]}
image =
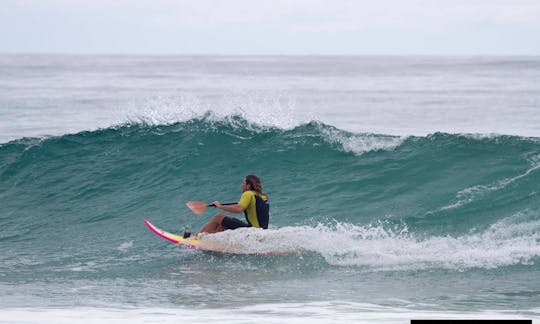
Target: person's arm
{"type": "Point", "coordinates": [230, 208]}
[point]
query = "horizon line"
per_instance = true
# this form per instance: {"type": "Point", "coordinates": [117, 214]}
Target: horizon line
{"type": "Point", "coordinates": [202, 54]}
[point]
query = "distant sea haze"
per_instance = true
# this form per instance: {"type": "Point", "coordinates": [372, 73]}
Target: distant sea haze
{"type": "Point", "coordinates": [59, 94]}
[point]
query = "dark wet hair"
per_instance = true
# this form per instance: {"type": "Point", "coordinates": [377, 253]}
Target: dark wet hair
{"type": "Point", "coordinates": [254, 182]}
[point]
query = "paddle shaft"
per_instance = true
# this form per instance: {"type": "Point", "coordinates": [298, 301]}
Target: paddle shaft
{"type": "Point", "coordinates": [225, 204]}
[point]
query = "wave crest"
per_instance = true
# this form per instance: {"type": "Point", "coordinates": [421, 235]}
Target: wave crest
{"type": "Point", "coordinates": [276, 112]}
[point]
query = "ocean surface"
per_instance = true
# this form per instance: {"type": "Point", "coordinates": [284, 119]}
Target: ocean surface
{"type": "Point", "coordinates": [407, 187]}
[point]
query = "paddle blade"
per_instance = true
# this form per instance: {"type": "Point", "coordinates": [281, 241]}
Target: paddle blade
{"type": "Point", "coordinates": [197, 207]}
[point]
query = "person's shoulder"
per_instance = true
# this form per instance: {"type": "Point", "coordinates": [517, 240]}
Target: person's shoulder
{"type": "Point", "coordinates": [248, 193]}
{"type": "Point", "coordinates": [246, 198]}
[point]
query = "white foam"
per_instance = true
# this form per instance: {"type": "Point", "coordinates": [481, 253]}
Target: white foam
{"type": "Point", "coordinates": [312, 312]}
{"type": "Point", "coordinates": [257, 109]}
{"type": "Point", "coordinates": [360, 143]}
{"type": "Point", "coordinates": [513, 240]}
{"type": "Point", "coordinates": [125, 246]}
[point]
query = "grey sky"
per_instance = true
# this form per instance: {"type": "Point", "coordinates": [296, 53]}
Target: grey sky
{"type": "Point", "coordinates": [446, 27]}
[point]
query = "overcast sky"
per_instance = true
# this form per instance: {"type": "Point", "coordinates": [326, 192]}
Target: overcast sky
{"type": "Point", "coordinates": [388, 27]}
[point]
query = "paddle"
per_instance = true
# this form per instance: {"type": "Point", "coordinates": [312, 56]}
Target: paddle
{"type": "Point", "coordinates": [198, 207]}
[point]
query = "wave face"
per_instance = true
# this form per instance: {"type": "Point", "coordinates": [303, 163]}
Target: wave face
{"type": "Point", "coordinates": [372, 201]}
{"type": "Point", "coordinates": [413, 223]}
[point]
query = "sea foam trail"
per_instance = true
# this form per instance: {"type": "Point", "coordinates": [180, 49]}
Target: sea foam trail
{"type": "Point", "coordinates": [510, 241]}
{"type": "Point", "coordinates": [476, 192]}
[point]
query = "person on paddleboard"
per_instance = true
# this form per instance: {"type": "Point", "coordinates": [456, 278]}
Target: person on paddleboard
{"type": "Point", "coordinates": [253, 203]}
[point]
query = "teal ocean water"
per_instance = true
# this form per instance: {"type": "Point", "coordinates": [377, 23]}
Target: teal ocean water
{"type": "Point", "coordinates": [385, 227]}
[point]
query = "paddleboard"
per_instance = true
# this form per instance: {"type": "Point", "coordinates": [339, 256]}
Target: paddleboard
{"type": "Point", "coordinates": [191, 242]}
{"type": "Point", "coordinates": [206, 245]}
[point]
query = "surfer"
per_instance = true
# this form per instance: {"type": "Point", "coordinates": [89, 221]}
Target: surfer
{"type": "Point", "coordinates": [253, 203]}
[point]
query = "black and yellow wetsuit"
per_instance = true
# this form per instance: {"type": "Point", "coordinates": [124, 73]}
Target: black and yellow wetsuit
{"type": "Point", "coordinates": [256, 211]}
